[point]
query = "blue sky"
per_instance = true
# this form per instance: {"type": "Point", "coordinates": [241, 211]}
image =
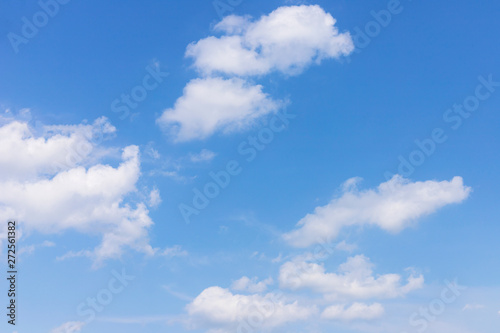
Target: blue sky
{"type": "Point", "coordinates": [354, 144]}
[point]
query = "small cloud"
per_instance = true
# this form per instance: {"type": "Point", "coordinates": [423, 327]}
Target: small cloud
{"type": "Point", "coordinates": [258, 255]}
{"type": "Point", "coordinates": [154, 198]}
{"type": "Point", "coordinates": [69, 327]}
{"type": "Point", "coordinates": [278, 259]}
{"type": "Point", "coordinates": [251, 285]}
{"type": "Point", "coordinates": [170, 174]}
{"type": "Point", "coordinates": [144, 320]}
{"type": "Point", "coordinates": [473, 306]}
{"type": "Point", "coordinates": [343, 246]}
{"type": "Point", "coordinates": [154, 153]}
{"type": "Point", "coordinates": [177, 294]}
{"type": "Point", "coordinates": [174, 251]}
{"type": "Point", "coordinates": [31, 248]}
{"type": "Point", "coordinates": [203, 156]}
{"type": "Point", "coordinates": [355, 312]}
{"type": "Point", "coordinates": [72, 254]}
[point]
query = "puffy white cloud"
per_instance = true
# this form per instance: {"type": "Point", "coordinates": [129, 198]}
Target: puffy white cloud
{"type": "Point", "coordinates": [353, 312]}
{"type": "Point", "coordinates": [392, 206]}
{"type": "Point", "coordinates": [93, 199]}
{"type": "Point", "coordinates": [215, 104]}
{"type": "Point", "coordinates": [287, 40]}
{"type": "Point", "coordinates": [219, 310]}
{"type": "Point", "coordinates": [354, 280]}
{"type": "Point", "coordinates": [23, 155]}
{"type": "Point", "coordinates": [69, 327]}
{"type": "Point", "coordinates": [251, 285]}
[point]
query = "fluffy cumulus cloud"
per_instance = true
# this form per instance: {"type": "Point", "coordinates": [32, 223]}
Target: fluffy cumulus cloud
{"type": "Point", "coordinates": [48, 185]}
{"type": "Point", "coordinates": [215, 104]}
{"type": "Point", "coordinates": [219, 310]}
{"type": "Point", "coordinates": [251, 285]}
{"type": "Point", "coordinates": [353, 281]}
{"type": "Point", "coordinates": [287, 40]}
{"type": "Point", "coordinates": [392, 206]}
{"type": "Point", "coordinates": [355, 311]}
{"type": "Point", "coordinates": [24, 155]}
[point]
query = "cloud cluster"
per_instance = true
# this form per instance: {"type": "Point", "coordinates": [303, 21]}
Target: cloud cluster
{"type": "Point", "coordinates": [48, 190]}
{"type": "Point", "coordinates": [392, 206]}
{"type": "Point", "coordinates": [219, 310]}
{"type": "Point", "coordinates": [348, 291]}
{"type": "Point", "coordinates": [223, 100]}
{"type": "Point", "coordinates": [354, 281]}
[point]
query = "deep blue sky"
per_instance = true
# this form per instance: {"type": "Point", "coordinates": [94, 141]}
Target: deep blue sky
{"type": "Point", "coordinates": [354, 117]}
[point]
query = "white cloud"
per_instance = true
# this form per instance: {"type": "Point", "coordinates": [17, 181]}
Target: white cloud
{"type": "Point", "coordinates": [393, 206]}
{"type": "Point", "coordinates": [153, 153]}
{"type": "Point", "coordinates": [219, 310]}
{"type": "Point", "coordinates": [23, 155]}
{"type": "Point", "coordinates": [344, 246]}
{"type": "Point", "coordinates": [354, 280]}
{"type": "Point", "coordinates": [355, 311]}
{"type": "Point", "coordinates": [154, 198]}
{"type": "Point", "coordinates": [209, 105]}
{"type": "Point", "coordinates": [177, 294]}
{"type": "Point", "coordinates": [31, 248]}
{"type": "Point", "coordinates": [204, 155]}
{"type": "Point", "coordinates": [69, 327]}
{"type": "Point", "coordinates": [174, 251]}
{"type": "Point", "coordinates": [93, 199]}
{"type": "Point", "coordinates": [251, 285]}
{"type": "Point", "coordinates": [287, 40]}
{"type": "Point", "coordinates": [473, 306]}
